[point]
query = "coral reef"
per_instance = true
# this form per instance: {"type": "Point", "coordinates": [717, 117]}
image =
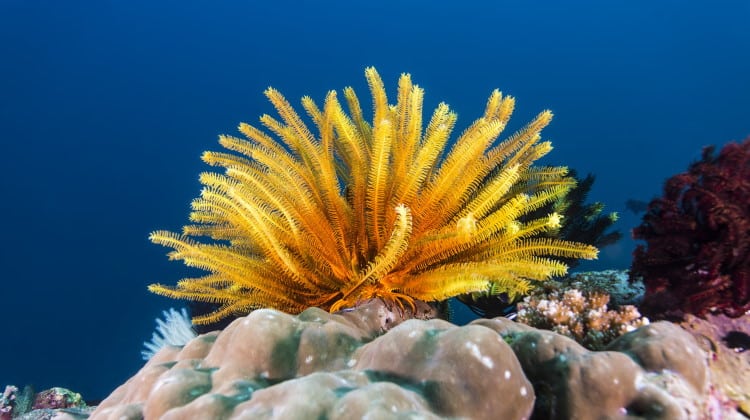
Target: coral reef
{"type": "Point", "coordinates": [58, 403]}
{"type": "Point", "coordinates": [321, 365]}
{"type": "Point", "coordinates": [369, 362]}
{"type": "Point", "coordinates": [355, 210]}
{"type": "Point", "coordinates": [54, 398]}
{"type": "Point", "coordinates": [9, 400]}
{"type": "Point", "coordinates": [621, 288]}
{"type": "Point", "coordinates": [696, 259]}
{"type": "Point", "coordinates": [578, 313]}
{"type": "Point", "coordinates": [655, 372]}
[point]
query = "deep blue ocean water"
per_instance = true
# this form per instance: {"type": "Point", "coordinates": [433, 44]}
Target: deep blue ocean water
{"type": "Point", "coordinates": [106, 106]}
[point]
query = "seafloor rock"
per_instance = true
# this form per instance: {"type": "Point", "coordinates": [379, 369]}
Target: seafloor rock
{"type": "Point", "coordinates": [616, 283]}
{"type": "Point", "coordinates": [727, 341]}
{"type": "Point", "coordinates": [319, 365]}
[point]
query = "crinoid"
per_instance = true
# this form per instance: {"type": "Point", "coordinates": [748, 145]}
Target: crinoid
{"type": "Point", "coordinates": [357, 210]}
{"type": "Point", "coordinates": [696, 256]}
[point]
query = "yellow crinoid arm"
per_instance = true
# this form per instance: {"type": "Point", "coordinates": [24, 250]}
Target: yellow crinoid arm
{"type": "Point", "coordinates": [408, 113]}
{"type": "Point", "coordinates": [379, 175]}
{"type": "Point", "coordinates": [453, 279]}
{"type": "Point", "coordinates": [314, 163]}
{"type": "Point", "coordinates": [303, 213]}
{"type": "Point", "coordinates": [426, 157]}
{"type": "Point", "coordinates": [464, 167]}
{"type": "Point", "coordinates": [451, 241]}
{"type": "Point", "coordinates": [240, 274]}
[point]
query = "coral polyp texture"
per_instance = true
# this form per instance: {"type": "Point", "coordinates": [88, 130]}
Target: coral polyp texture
{"type": "Point", "coordinates": [316, 365]}
{"type": "Point", "coordinates": [349, 210]}
{"type": "Point", "coordinates": [697, 254]}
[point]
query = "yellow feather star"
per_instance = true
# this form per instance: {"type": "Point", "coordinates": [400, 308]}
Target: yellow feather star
{"type": "Point", "coordinates": [358, 210]}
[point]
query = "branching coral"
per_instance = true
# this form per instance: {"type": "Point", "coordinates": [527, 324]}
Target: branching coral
{"type": "Point", "coordinates": [697, 253]}
{"type": "Point", "coordinates": [580, 314]}
{"type": "Point", "coordinates": [361, 210]}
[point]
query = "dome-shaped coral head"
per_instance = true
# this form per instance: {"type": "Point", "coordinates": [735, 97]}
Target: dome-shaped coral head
{"type": "Point", "coordinates": [332, 213]}
{"type": "Point", "coordinates": [697, 253]}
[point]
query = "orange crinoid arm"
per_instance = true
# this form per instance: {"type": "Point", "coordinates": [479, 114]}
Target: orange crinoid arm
{"type": "Point", "coordinates": [352, 209]}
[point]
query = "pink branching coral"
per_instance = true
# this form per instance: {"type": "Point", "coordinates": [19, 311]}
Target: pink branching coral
{"type": "Point", "coordinates": [697, 254]}
{"type": "Point", "coordinates": [579, 314]}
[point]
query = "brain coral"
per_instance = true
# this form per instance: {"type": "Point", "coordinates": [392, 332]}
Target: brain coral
{"type": "Point", "coordinates": [271, 365]}
{"type": "Point", "coordinates": [321, 365]}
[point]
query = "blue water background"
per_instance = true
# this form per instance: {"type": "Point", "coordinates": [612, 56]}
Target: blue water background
{"type": "Point", "coordinates": [106, 106]}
